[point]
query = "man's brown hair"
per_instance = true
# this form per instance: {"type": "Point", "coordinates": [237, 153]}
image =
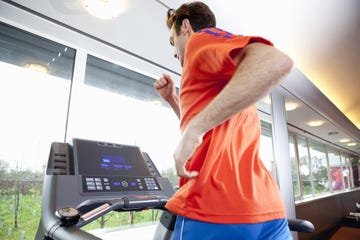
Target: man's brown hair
{"type": "Point", "coordinates": [198, 13]}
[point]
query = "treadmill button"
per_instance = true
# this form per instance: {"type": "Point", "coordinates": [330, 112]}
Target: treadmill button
{"type": "Point", "coordinates": [124, 183]}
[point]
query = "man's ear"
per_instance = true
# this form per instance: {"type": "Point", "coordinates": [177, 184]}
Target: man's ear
{"type": "Point", "coordinates": [186, 26]}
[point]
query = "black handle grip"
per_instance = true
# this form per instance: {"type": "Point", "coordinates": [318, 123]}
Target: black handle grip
{"type": "Point", "coordinates": [301, 225]}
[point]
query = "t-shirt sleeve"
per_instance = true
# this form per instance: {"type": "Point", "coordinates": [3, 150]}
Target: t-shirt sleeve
{"type": "Point", "coordinates": [210, 55]}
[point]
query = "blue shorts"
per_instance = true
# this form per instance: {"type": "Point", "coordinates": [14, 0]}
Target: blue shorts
{"type": "Point", "coordinates": [188, 229]}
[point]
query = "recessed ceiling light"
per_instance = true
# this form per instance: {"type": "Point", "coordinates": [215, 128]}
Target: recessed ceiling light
{"type": "Point", "coordinates": [351, 144]}
{"type": "Point", "coordinates": [344, 140]}
{"type": "Point", "coordinates": [105, 9]}
{"type": "Point", "coordinates": [315, 123]}
{"type": "Point", "coordinates": [37, 67]}
{"type": "Point", "coordinates": [290, 106]}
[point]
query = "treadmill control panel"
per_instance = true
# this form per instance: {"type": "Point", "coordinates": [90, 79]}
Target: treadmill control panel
{"type": "Point", "coordinates": [116, 184]}
{"type": "Point", "coordinates": [107, 167]}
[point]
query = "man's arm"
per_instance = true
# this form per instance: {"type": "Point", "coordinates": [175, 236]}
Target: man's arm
{"type": "Point", "coordinates": [260, 69]}
{"type": "Point", "coordinates": [166, 88]}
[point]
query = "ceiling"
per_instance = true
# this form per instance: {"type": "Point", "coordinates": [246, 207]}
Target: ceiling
{"type": "Point", "coordinates": [321, 36]}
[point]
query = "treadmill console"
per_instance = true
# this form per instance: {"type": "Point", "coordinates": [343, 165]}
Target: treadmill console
{"type": "Point", "coordinates": [87, 179]}
{"type": "Point", "coordinates": [88, 173]}
{"type": "Point", "coordinates": [107, 167]}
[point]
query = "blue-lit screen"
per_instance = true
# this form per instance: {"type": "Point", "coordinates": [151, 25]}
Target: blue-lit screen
{"type": "Point", "coordinates": [116, 163]}
{"type": "Point", "coordinates": [106, 160]}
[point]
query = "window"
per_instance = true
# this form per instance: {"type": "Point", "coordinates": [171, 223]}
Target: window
{"type": "Point", "coordinates": [34, 94]}
{"type": "Point", "coordinates": [355, 170]}
{"type": "Point", "coordinates": [346, 170]}
{"type": "Point", "coordinates": [335, 169]}
{"type": "Point", "coordinates": [319, 169]}
{"type": "Point", "coordinates": [117, 105]}
{"type": "Point", "coordinates": [304, 166]}
{"type": "Point", "coordinates": [294, 166]}
{"type": "Point", "coordinates": [322, 168]}
{"type": "Point", "coordinates": [266, 148]}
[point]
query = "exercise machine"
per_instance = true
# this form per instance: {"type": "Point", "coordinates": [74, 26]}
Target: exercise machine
{"type": "Point", "coordinates": [91, 178]}
{"type": "Point", "coordinates": [88, 179]}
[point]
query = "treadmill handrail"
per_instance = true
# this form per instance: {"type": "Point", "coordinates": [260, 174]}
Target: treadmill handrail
{"type": "Point", "coordinates": [301, 225]}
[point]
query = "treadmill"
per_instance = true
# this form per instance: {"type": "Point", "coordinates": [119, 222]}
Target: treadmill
{"type": "Point", "coordinates": [88, 179]}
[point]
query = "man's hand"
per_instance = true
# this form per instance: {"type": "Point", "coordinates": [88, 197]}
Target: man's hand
{"type": "Point", "coordinates": [184, 151]}
{"type": "Point", "coordinates": [165, 87]}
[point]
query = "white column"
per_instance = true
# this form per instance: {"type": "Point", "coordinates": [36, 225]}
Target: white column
{"type": "Point", "coordinates": [282, 152]}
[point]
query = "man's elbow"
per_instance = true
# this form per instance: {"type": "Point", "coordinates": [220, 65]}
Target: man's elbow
{"type": "Point", "coordinates": [278, 58]}
{"type": "Point", "coordinates": [287, 63]}
{"type": "Point", "coordinates": [274, 58]}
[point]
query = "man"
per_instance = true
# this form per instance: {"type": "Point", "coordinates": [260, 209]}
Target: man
{"type": "Point", "coordinates": [225, 190]}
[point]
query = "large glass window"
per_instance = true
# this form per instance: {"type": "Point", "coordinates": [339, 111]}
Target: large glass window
{"type": "Point", "coordinates": [266, 148]}
{"type": "Point", "coordinates": [304, 166]}
{"type": "Point", "coordinates": [117, 105]}
{"type": "Point", "coordinates": [34, 94]}
{"type": "Point", "coordinates": [335, 169]}
{"type": "Point", "coordinates": [355, 170]}
{"type": "Point", "coordinates": [294, 166]}
{"type": "Point", "coordinates": [346, 170]}
{"type": "Point", "coordinates": [319, 169]}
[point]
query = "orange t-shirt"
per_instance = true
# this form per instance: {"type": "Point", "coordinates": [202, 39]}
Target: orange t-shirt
{"type": "Point", "coordinates": [233, 185]}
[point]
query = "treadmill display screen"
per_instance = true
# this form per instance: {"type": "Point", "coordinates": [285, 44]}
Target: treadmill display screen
{"type": "Point", "coordinates": [106, 159]}
{"type": "Point", "coordinates": [115, 163]}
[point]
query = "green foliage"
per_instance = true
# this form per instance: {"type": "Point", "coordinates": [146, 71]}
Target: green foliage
{"type": "Point", "coordinates": [296, 188]}
{"type": "Point", "coordinates": [8, 174]}
{"type": "Point", "coordinates": [3, 169]}
{"type": "Point", "coordinates": [171, 175]}
{"type": "Point", "coordinates": [30, 213]}
{"type": "Point", "coordinates": [306, 188]}
{"type": "Point", "coordinates": [29, 184]}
